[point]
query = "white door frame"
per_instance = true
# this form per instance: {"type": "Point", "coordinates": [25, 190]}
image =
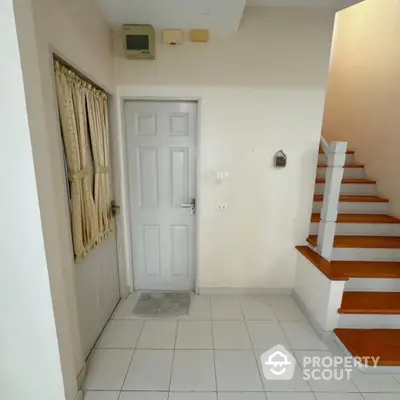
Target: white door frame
{"type": "Point", "coordinates": [121, 180]}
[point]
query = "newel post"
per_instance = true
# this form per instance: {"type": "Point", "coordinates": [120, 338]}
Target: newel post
{"type": "Point", "coordinates": [336, 158]}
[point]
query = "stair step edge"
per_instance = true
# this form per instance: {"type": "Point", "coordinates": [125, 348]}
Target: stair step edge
{"type": "Point", "coordinates": [376, 303]}
{"type": "Point", "coordinates": [372, 342]}
{"type": "Point", "coordinates": [361, 242]}
{"type": "Point", "coordinates": [350, 181]}
{"type": "Point", "coordinates": [345, 270]}
{"type": "Point", "coordinates": [348, 198]}
{"type": "Point", "coordinates": [321, 151]}
{"type": "Point", "coordinates": [366, 311]}
{"type": "Point", "coordinates": [345, 166]}
{"type": "Point", "coordinates": [360, 219]}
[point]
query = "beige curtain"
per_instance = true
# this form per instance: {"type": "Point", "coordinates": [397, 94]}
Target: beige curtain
{"type": "Point", "coordinates": [97, 106]}
{"type": "Point", "coordinates": [71, 93]}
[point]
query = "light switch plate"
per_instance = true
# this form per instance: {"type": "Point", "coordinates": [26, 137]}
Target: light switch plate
{"type": "Point", "coordinates": [222, 175]}
{"type": "Point", "coordinates": [199, 35]}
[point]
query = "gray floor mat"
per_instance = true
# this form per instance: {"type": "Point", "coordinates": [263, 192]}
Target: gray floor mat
{"type": "Point", "coordinates": [162, 305]}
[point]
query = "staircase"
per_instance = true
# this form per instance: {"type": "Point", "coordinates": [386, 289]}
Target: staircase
{"type": "Point", "coordinates": [366, 255]}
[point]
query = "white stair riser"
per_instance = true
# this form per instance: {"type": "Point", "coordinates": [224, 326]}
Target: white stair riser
{"type": "Point", "coordinates": [370, 254]}
{"type": "Point", "coordinates": [314, 228]}
{"type": "Point", "coordinates": [349, 158]}
{"type": "Point", "coordinates": [369, 321]}
{"type": "Point", "coordinates": [356, 208]}
{"type": "Point", "coordinates": [350, 188]}
{"type": "Point", "coordinates": [356, 254]}
{"type": "Point", "coordinates": [362, 229]}
{"type": "Point", "coordinates": [356, 173]}
{"type": "Point", "coordinates": [372, 285]}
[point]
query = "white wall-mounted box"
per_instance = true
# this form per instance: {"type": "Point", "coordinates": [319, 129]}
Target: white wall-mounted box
{"type": "Point", "coordinates": [172, 36]}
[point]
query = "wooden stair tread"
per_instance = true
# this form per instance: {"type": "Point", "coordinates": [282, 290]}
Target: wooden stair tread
{"type": "Point", "coordinates": [361, 218]}
{"type": "Point", "coordinates": [347, 181]}
{"type": "Point", "coordinates": [383, 343]}
{"type": "Point", "coordinates": [323, 265]}
{"type": "Point", "coordinates": [343, 270]}
{"type": "Point", "coordinates": [355, 199]}
{"type": "Point", "coordinates": [322, 165]}
{"type": "Point", "coordinates": [362, 242]}
{"type": "Point", "coordinates": [370, 303]}
{"type": "Point", "coordinates": [347, 152]}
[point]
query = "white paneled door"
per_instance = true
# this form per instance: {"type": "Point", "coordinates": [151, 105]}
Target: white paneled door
{"type": "Point", "coordinates": [161, 145]}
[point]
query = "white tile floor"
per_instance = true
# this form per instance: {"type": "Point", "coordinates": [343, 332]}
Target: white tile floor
{"type": "Point", "coordinates": [213, 354]}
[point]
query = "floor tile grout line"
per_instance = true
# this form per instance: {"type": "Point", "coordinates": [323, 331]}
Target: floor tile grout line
{"type": "Point", "coordinates": [127, 371]}
{"type": "Point", "coordinates": [325, 341]}
{"type": "Point", "coordinates": [354, 383]}
{"type": "Point", "coordinates": [314, 395]}
{"type": "Point", "coordinates": [211, 309]}
{"type": "Point", "coordinates": [319, 351]}
{"type": "Point", "coordinates": [272, 308]}
{"type": "Point", "coordinates": [293, 350]}
{"type": "Point", "coordinates": [237, 391]}
{"type": "Point", "coordinates": [173, 359]}
{"type": "Point", "coordinates": [286, 336]}
{"type": "Point", "coordinates": [245, 324]}
{"type": "Point", "coordinates": [213, 349]}
{"type": "Point", "coordinates": [130, 363]}
{"type": "Point", "coordinates": [149, 347]}
{"type": "Point", "coordinates": [252, 349]}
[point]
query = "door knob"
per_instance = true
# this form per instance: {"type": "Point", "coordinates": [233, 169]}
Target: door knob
{"type": "Point", "coordinates": [191, 205]}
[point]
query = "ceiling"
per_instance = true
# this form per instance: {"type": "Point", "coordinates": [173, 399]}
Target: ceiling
{"type": "Point", "coordinates": [219, 16]}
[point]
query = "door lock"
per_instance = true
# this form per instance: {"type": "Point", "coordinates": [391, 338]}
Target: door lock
{"type": "Point", "coordinates": [191, 205]}
{"type": "Point", "coordinates": [115, 208]}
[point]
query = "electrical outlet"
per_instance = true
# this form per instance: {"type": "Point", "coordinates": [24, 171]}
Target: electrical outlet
{"type": "Point", "coordinates": [221, 207]}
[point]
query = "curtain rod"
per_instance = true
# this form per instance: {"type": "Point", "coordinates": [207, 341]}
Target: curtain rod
{"type": "Point", "coordinates": [80, 74]}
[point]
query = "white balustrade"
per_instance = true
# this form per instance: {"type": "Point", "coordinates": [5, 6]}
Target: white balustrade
{"type": "Point", "coordinates": [336, 157]}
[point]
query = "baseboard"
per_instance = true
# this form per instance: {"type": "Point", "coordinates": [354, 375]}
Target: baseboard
{"type": "Point", "coordinates": [81, 376]}
{"type": "Point", "coordinates": [324, 335]}
{"type": "Point", "coordinates": [79, 396]}
{"type": "Point", "coordinates": [242, 291]}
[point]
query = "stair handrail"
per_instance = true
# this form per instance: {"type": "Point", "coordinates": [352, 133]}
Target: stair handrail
{"type": "Point", "coordinates": [336, 157]}
{"type": "Point", "coordinates": [324, 145]}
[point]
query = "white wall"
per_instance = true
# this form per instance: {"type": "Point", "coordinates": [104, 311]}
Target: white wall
{"type": "Point", "coordinates": [319, 296]}
{"type": "Point", "coordinates": [76, 32]}
{"type": "Point", "coordinates": [363, 96]}
{"type": "Point", "coordinates": [30, 361]}
{"type": "Point", "coordinates": [260, 91]}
